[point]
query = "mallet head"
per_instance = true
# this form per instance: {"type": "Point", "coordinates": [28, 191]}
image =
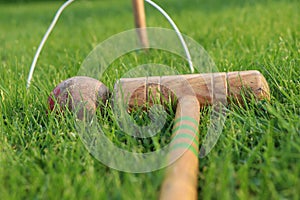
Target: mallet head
{"type": "Point", "coordinates": [209, 88]}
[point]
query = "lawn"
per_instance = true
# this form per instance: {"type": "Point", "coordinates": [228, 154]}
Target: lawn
{"type": "Point", "coordinates": [42, 156]}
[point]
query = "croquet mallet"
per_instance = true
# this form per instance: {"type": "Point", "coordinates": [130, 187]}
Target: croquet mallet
{"type": "Point", "coordinates": [191, 92]}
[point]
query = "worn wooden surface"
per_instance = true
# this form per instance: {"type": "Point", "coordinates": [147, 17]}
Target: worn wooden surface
{"type": "Point", "coordinates": [191, 92]}
{"type": "Point", "coordinates": [209, 88]}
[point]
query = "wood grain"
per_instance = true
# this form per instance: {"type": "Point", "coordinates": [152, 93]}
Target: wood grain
{"type": "Point", "coordinates": [191, 92]}
{"type": "Point", "coordinates": [209, 88]}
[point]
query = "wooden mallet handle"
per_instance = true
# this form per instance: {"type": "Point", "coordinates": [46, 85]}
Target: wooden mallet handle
{"type": "Point", "coordinates": [182, 175]}
{"type": "Point", "coordinates": [140, 21]}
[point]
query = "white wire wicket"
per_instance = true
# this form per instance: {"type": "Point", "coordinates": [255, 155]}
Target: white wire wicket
{"type": "Point", "coordinates": [37, 54]}
{"type": "Point", "coordinates": [183, 43]}
{"type": "Point", "coordinates": [68, 2]}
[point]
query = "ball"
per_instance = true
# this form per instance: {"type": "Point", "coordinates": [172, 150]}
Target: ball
{"type": "Point", "coordinates": [80, 95]}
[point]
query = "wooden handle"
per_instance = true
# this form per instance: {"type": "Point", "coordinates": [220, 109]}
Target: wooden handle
{"type": "Point", "coordinates": [182, 176]}
{"type": "Point", "coordinates": [140, 21]}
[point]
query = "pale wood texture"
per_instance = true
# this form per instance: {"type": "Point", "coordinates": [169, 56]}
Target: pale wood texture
{"type": "Point", "coordinates": [191, 91]}
{"type": "Point", "coordinates": [252, 80]}
{"type": "Point", "coordinates": [181, 178]}
{"type": "Point", "coordinates": [209, 88]}
{"type": "Point", "coordinates": [140, 21]}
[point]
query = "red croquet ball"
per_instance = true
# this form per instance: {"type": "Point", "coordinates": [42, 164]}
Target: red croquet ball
{"type": "Point", "coordinates": [79, 94]}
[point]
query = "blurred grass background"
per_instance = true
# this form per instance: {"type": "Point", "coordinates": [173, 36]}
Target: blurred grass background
{"type": "Point", "coordinates": [256, 157]}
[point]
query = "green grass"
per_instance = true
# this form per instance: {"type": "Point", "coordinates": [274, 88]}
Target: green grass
{"type": "Point", "coordinates": [257, 155]}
